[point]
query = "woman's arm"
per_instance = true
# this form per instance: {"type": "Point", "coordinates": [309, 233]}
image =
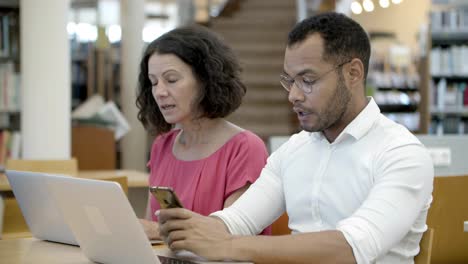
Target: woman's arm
{"type": "Point", "coordinates": [235, 195]}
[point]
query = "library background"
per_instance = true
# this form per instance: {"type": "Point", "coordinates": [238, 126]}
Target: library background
{"type": "Point", "coordinates": [418, 76]}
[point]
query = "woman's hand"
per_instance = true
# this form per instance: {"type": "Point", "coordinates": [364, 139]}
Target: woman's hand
{"type": "Point", "coordinates": [151, 228]}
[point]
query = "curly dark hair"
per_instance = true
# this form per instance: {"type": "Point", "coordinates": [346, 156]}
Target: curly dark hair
{"type": "Point", "coordinates": [213, 63]}
{"type": "Point", "coordinates": [343, 38]}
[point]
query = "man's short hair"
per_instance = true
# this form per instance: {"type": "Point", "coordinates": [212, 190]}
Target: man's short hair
{"type": "Point", "coordinates": [344, 39]}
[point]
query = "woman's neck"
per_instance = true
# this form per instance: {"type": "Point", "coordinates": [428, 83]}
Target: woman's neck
{"type": "Point", "coordinates": [198, 131]}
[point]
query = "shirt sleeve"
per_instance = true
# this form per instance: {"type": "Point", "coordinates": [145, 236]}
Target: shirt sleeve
{"type": "Point", "coordinates": [402, 188]}
{"type": "Point", "coordinates": [260, 205]}
{"type": "Point", "coordinates": [246, 164]}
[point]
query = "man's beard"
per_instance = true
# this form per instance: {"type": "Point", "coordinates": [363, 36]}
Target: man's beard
{"type": "Point", "coordinates": [335, 108]}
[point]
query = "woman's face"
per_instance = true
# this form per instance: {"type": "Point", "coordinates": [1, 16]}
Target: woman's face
{"type": "Point", "coordinates": [174, 87]}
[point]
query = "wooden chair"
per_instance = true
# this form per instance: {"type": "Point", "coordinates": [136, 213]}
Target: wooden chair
{"type": "Point", "coordinates": [122, 180]}
{"type": "Point", "coordinates": [448, 211]}
{"type": "Point", "coordinates": [280, 226]}
{"type": "Point", "coordinates": [425, 248]}
{"type": "Point", "coordinates": [67, 167]}
{"type": "Point", "coordinates": [14, 225]}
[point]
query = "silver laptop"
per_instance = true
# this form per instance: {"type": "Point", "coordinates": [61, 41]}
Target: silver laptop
{"type": "Point", "coordinates": [105, 225]}
{"type": "Point", "coordinates": [39, 209]}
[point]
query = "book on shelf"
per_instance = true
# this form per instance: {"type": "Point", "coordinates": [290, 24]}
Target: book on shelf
{"type": "Point", "coordinates": [9, 88]}
{"type": "Point", "coordinates": [409, 120]}
{"type": "Point", "coordinates": [10, 145]}
{"type": "Point", "coordinates": [449, 125]}
{"type": "Point", "coordinates": [9, 34]}
{"type": "Point", "coordinates": [453, 95]}
{"type": "Point", "coordinates": [452, 20]}
{"type": "Point", "coordinates": [449, 61]}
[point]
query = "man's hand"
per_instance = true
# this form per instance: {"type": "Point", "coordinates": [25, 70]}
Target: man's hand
{"type": "Point", "coordinates": [203, 235]}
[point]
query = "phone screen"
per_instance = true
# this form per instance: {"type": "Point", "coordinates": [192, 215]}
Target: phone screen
{"type": "Point", "coordinates": [166, 197]}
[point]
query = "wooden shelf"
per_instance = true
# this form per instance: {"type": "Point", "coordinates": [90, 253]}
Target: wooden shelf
{"type": "Point", "coordinates": [402, 89]}
{"type": "Point", "coordinates": [449, 37]}
{"type": "Point", "coordinates": [451, 78]}
{"type": "Point", "coordinates": [450, 110]}
{"type": "Point", "coordinates": [398, 108]}
{"type": "Point", "coordinates": [9, 3]}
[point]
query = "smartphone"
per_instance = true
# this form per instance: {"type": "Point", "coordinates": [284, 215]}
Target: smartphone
{"type": "Point", "coordinates": [166, 197]}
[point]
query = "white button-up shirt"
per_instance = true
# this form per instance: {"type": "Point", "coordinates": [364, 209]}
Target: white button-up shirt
{"type": "Point", "coordinates": [373, 183]}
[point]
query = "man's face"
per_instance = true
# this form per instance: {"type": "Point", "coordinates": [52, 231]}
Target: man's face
{"type": "Point", "coordinates": [328, 100]}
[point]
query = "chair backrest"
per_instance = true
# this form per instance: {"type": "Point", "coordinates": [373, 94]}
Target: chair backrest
{"type": "Point", "coordinates": [122, 180]}
{"type": "Point", "coordinates": [280, 226]}
{"type": "Point", "coordinates": [67, 167]}
{"type": "Point", "coordinates": [448, 211]}
{"type": "Point", "coordinates": [425, 248]}
{"type": "Point", "coordinates": [14, 225]}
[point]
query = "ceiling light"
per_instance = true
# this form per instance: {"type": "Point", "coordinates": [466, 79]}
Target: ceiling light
{"type": "Point", "coordinates": [356, 8]}
{"type": "Point", "coordinates": [396, 2]}
{"type": "Point", "coordinates": [384, 3]}
{"type": "Point", "coordinates": [368, 5]}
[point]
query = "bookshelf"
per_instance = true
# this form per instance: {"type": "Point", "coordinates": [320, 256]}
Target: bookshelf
{"type": "Point", "coordinates": [9, 81]}
{"type": "Point", "coordinates": [95, 71]}
{"type": "Point", "coordinates": [9, 68]}
{"type": "Point", "coordinates": [393, 80]}
{"type": "Point", "coordinates": [448, 88]}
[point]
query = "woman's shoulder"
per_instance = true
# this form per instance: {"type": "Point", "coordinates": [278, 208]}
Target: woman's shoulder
{"type": "Point", "coordinates": [165, 139]}
{"type": "Point", "coordinates": [249, 136]}
{"type": "Point", "coordinates": [243, 135]}
{"type": "Point", "coordinates": [248, 140]}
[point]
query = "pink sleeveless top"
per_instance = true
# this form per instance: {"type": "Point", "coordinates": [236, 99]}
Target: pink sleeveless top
{"type": "Point", "coordinates": [203, 185]}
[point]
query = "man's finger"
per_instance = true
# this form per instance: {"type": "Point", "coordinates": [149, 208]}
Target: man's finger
{"type": "Point", "coordinates": [176, 236]}
{"type": "Point", "coordinates": [172, 225]}
{"type": "Point", "coordinates": [180, 245]}
{"type": "Point", "coordinates": [173, 213]}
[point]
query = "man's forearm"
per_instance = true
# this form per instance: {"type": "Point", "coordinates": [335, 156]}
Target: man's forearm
{"type": "Point", "coordinates": [317, 247]}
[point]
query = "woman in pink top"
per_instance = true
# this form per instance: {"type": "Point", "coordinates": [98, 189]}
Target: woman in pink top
{"type": "Point", "coordinates": [189, 79]}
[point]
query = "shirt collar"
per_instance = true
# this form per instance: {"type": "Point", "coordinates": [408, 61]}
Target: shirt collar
{"type": "Point", "coordinates": [363, 121]}
{"type": "Point", "coordinates": [360, 125]}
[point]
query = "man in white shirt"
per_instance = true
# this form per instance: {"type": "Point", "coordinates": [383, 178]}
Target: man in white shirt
{"type": "Point", "coordinates": [356, 185]}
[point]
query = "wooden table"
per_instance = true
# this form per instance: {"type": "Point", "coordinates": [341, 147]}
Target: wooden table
{"type": "Point", "coordinates": [135, 178]}
{"type": "Point", "coordinates": [32, 250]}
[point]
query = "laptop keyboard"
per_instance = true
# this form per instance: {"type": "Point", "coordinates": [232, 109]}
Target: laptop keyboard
{"type": "Point", "coordinates": [169, 260]}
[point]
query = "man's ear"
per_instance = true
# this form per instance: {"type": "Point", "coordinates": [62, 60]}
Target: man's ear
{"type": "Point", "coordinates": [355, 72]}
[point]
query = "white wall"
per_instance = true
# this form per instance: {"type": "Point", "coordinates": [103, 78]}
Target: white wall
{"type": "Point", "coordinates": [404, 19]}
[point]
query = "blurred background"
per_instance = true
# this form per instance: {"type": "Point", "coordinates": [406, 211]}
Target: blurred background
{"type": "Point", "coordinates": [416, 76]}
{"type": "Point", "coordinates": [68, 78]}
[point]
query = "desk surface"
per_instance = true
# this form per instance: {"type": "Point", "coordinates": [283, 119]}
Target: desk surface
{"type": "Point", "coordinates": [135, 178]}
{"type": "Point", "coordinates": [32, 250]}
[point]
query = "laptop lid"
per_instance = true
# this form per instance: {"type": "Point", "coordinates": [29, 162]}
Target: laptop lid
{"type": "Point", "coordinates": [102, 220]}
{"type": "Point", "coordinates": [105, 225]}
{"type": "Point", "coordinates": [39, 209]}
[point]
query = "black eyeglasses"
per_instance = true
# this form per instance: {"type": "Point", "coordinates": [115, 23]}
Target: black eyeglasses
{"type": "Point", "coordinates": [303, 82]}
